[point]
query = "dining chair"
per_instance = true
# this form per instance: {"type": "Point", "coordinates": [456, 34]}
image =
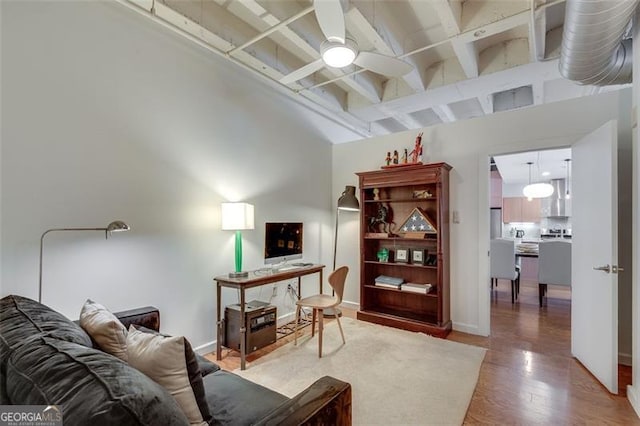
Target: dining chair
{"type": "Point", "coordinates": [320, 302]}
{"type": "Point", "coordinates": [554, 265]}
{"type": "Point", "coordinates": [503, 264]}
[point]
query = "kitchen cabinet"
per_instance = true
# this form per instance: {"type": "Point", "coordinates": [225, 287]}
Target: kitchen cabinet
{"type": "Point", "coordinates": [519, 209]}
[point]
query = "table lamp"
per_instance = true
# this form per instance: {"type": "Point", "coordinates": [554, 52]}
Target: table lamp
{"type": "Point", "coordinates": [115, 226]}
{"type": "Point", "coordinates": [237, 217]}
{"type": "Point", "coordinates": [346, 202]}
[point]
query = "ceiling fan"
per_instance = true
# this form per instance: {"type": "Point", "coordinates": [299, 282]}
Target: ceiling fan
{"type": "Point", "coordinates": [338, 50]}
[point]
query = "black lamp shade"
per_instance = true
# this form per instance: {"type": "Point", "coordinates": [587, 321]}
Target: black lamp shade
{"type": "Point", "coordinates": [348, 200]}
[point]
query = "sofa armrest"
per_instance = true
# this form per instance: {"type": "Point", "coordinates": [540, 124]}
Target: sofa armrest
{"type": "Point", "coordinates": [148, 317]}
{"type": "Point", "coordinates": [325, 402]}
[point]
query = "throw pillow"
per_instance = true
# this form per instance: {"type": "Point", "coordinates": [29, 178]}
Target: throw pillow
{"type": "Point", "coordinates": [197, 368]}
{"type": "Point", "coordinates": [163, 360]}
{"type": "Point", "coordinates": [103, 327]}
{"type": "Point", "coordinates": [204, 366]}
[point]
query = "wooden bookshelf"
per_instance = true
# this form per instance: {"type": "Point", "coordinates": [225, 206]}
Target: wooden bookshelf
{"type": "Point", "coordinates": [400, 191]}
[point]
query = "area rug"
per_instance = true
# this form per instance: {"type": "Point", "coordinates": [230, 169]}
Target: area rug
{"type": "Point", "coordinates": [397, 377]}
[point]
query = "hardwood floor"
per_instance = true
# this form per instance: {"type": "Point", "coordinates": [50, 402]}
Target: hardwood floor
{"type": "Point", "coordinates": [528, 375]}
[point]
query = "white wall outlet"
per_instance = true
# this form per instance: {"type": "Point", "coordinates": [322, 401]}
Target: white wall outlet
{"type": "Point", "coordinates": [455, 216]}
{"type": "Point", "coordinates": [275, 291]}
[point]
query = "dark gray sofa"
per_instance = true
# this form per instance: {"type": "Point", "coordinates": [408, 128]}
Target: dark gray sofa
{"type": "Point", "coordinates": [46, 359]}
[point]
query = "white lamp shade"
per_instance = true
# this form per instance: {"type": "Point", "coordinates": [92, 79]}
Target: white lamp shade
{"type": "Point", "coordinates": [538, 190]}
{"type": "Point", "coordinates": [237, 216]}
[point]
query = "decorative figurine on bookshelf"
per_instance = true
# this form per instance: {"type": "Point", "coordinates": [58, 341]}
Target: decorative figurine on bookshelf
{"type": "Point", "coordinates": [382, 217]}
{"type": "Point", "coordinates": [376, 194]}
{"type": "Point", "coordinates": [416, 154]}
{"type": "Point", "coordinates": [383, 255]}
{"type": "Point", "coordinates": [387, 160]}
{"type": "Point", "coordinates": [424, 193]}
{"type": "Point", "coordinates": [395, 156]}
{"type": "Point", "coordinates": [405, 158]}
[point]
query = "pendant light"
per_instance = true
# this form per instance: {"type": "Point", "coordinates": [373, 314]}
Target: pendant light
{"type": "Point", "coordinates": [567, 195]}
{"type": "Point", "coordinates": [536, 190]}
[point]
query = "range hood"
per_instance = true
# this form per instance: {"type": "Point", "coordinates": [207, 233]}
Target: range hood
{"type": "Point", "coordinates": [557, 205]}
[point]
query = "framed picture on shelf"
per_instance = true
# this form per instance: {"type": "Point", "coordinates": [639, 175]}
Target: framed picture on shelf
{"type": "Point", "coordinates": [431, 260]}
{"type": "Point", "coordinates": [417, 256]}
{"type": "Point", "coordinates": [402, 256]}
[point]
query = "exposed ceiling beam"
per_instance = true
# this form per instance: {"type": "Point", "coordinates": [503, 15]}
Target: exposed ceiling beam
{"type": "Point", "coordinates": [467, 56]}
{"type": "Point", "coordinates": [537, 34]}
{"type": "Point", "coordinates": [486, 102]}
{"type": "Point", "coordinates": [366, 86]}
{"type": "Point", "coordinates": [444, 113]}
{"type": "Point", "coordinates": [466, 89]}
{"type": "Point", "coordinates": [183, 26]}
{"type": "Point", "coordinates": [274, 28]}
{"type": "Point", "coordinates": [359, 23]}
{"type": "Point", "coordinates": [449, 13]}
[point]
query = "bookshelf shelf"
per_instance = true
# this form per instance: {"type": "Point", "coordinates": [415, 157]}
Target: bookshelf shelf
{"type": "Point", "coordinates": [398, 192]}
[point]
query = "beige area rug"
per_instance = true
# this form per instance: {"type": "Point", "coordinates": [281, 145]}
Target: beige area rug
{"type": "Point", "coordinates": [397, 377]}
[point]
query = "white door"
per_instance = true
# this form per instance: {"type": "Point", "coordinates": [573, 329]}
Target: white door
{"type": "Point", "coordinates": [594, 292]}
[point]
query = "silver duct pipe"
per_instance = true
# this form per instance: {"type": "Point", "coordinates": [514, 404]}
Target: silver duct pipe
{"type": "Point", "coordinates": [593, 51]}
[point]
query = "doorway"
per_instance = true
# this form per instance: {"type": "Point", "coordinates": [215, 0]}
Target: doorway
{"type": "Point", "coordinates": [530, 221]}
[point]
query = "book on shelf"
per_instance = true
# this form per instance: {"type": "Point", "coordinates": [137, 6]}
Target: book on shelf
{"type": "Point", "coordinates": [389, 280]}
{"type": "Point", "coordinates": [416, 288]}
{"type": "Point", "coordinates": [388, 285]}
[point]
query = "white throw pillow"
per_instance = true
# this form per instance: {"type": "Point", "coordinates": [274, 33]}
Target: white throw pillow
{"type": "Point", "coordinates": [103, 327]}
{"type": "Point", "coordinates": [162, 358]}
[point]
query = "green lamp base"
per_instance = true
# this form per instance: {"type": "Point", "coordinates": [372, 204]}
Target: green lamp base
{"type": "Point", "coordinates": [242, 274]}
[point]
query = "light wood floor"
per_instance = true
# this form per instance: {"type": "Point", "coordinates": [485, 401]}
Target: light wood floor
{"type": "Point", "coordinates": [528, 375]}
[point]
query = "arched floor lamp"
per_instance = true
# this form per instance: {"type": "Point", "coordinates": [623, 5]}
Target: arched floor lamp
{"type": "Point", "coordinates": [346, 202]}
{"type": "Point", "coordinates": [115, 226]}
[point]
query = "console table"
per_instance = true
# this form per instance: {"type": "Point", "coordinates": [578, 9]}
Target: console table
{"type": "Point", "coordinates": [255, 279]}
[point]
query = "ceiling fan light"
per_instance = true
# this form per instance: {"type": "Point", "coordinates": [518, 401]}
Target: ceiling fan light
{"type": "Point", "coordinates": [338, 55]}
{"type": "Point", "coordinates": [538, 190]}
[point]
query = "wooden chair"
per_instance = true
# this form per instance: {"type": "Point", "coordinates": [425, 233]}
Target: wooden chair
{"type": "Point", "coordinates": [503, 264]}
{"type": "Point", "coordinates": [320, 302]}
{"type": "Point", "coordinates": [554, 265]}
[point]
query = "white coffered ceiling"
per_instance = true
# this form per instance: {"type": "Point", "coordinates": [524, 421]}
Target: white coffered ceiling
{"type": "Point", "coordinates": [468, 58]}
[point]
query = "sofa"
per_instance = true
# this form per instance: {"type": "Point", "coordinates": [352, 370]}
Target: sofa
{"type": "Point", "coordinates": [47, 359]}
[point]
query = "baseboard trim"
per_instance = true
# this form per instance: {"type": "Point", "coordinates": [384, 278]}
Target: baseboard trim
{"type": "Point", "coordinates": [625, 359]}
{"type": "Point", "coordinates": [466, 328]}
{"type": "Point", "coordinates": [207, 348]}
{"type": "Point", "coordinates": [350, 305]}
{"type": "Point", "coordinates": [632, 396]}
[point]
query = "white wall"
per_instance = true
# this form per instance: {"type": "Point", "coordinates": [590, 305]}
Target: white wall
{"type": "Point", "coordinates": [467, 145]}
{"type": "Point", "coordinates": [633, 393]}
{"type": "Point", "coordinates": [107, 115]}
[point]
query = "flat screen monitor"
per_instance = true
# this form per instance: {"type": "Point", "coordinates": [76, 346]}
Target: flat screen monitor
{"type": "Point", "coordinates": [282, 242]}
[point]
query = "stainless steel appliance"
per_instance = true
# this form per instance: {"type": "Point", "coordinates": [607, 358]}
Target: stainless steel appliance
{"type": "Point", "coordinates": [495, 223]}
{"type": "Point", "coordinates": [557, 205]}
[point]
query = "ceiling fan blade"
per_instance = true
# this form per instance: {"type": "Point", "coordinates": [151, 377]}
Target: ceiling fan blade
{"type": "Point", "coordinates": [301, 73]}
{"type": "Point", "coordinates": [330, 16]}
{"type": "Point", "coordinates": [382, 64]}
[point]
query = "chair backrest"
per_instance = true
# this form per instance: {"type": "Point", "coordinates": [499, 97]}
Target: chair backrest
{"type": "Point", "coordinates": [554, 262]}
{"type": "Point", "coordinates": [503, 259]}
{"type": "Point", "coordinates": [337, 279]}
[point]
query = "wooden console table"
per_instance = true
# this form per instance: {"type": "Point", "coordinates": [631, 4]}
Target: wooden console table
{"type": "Point", "coordinates": [255, 279]}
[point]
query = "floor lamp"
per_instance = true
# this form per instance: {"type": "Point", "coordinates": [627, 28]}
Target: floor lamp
{"type": "Point", "coordinates": [115, 226]}
{"type": "Point", "coordinates": [346, 202]}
